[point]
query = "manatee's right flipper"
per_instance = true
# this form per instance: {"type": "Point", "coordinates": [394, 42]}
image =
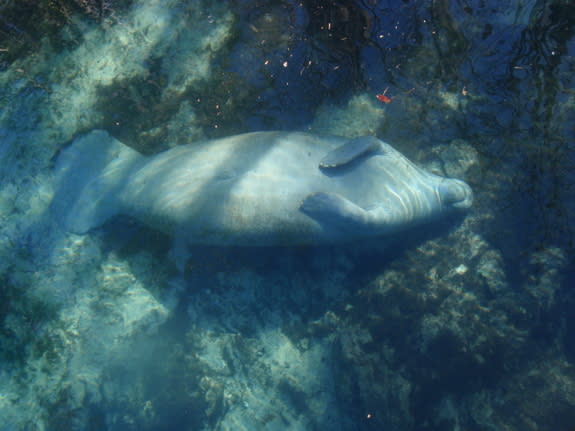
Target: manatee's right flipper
{"type": "Point", "coordinates": [90, 174]}
{"type": "Point", "coordinates": [455, 193]}
{"type": "Point", "coordinates": [351, 151]}
{"type": "Point", "coordinates": [336, 212]}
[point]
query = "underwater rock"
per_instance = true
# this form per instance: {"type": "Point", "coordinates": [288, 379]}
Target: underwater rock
{"type": "Point", "coordinates": [455, 340]}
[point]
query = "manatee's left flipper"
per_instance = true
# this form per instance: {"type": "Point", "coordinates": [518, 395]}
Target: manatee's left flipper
{"type": "Point", "coordinates": [334, 211]}
{"type": "Point", "coordinates": [351, 151]}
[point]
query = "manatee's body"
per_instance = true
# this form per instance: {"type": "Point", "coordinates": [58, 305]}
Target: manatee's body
{"type": "Point", "coordinates": [263, 188]}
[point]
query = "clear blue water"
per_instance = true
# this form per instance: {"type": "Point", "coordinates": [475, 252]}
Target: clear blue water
{"type": "Point", "coordinates": [465, 323]}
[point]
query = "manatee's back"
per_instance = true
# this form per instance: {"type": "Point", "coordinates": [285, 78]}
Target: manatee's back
{"type": "Point", "coordinates": [89, 175]}
{"type": "Point", "coordinates": [244, 189]}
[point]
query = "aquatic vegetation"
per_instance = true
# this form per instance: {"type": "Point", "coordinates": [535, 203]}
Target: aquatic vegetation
{"type": "Point", "coordinates": [24, 319]}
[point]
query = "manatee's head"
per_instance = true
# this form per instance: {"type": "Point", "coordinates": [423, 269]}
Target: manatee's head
{"type": "Point", "coordinates": [455, 194]}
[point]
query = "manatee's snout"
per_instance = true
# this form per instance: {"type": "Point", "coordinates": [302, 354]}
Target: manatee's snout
{"type": "Point", "coordinates": [455, 193]}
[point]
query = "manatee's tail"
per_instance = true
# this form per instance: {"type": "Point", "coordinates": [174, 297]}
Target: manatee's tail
{"type": "Point", "coordinates": [89, 177]}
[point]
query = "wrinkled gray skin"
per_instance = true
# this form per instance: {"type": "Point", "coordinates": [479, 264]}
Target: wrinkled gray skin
{"type": "Point", "coordinates": [256, 189]}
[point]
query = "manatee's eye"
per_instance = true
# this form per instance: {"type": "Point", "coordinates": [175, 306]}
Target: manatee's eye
{"type": "Point", "coordinates": [455, 193]}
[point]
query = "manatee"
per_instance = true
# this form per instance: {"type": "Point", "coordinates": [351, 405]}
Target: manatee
{"type": "Point", "coordinates": [254, 189]}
